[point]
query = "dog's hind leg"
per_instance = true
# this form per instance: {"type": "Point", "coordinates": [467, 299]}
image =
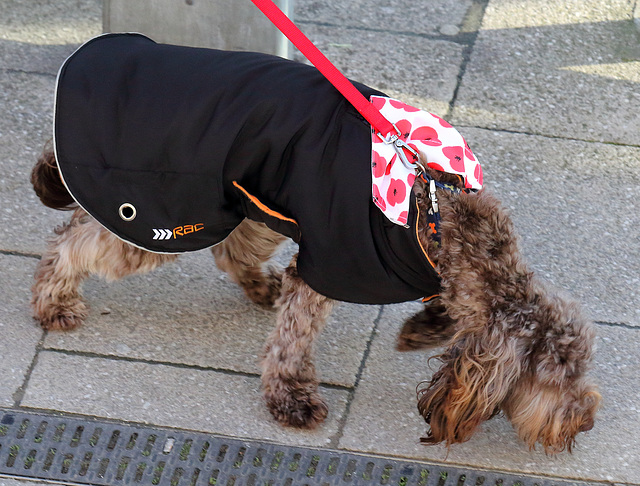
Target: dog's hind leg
{"type": "Point", "coordinates": [289, 381]}
{"type": "Point", "coordinates": [242, 254]}
{"type": "Point", "coordinates": [429, 328]}
{"type": "Point", "coordinates": [81, 248]}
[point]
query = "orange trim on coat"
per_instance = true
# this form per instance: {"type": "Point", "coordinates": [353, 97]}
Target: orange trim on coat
{"type": "Point", "coordinates": [427, 299]}
{"type": "Point", "coordinates": [263, 207]}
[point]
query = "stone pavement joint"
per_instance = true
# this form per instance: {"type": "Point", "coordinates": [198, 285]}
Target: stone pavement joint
{"type": "Point", "coordinates": [37, 256]}
{"type": "Point", "coordinates": [158, 362]}
{"type": "Point", "coordinates": [18, 395]}
{"type": "Point", "coordinates": [551, 136]}
{"type": "Point", "coordinates": [456, 38]}
{"type": "Point", "coordinates": [617, 324]}
{"type": "Point", "coordinates": [469, 32]}
{"type": "Point", "coordinates": [472, 21]}
{"type": "Point", "coordinates": [335, 440]}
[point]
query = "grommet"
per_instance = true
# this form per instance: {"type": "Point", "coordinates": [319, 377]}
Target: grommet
{"type": "Point", "coordinates": [127, 212]}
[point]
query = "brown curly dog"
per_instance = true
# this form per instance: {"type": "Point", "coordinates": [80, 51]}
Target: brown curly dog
{"type": "Point", "coordinates": [511, 345]}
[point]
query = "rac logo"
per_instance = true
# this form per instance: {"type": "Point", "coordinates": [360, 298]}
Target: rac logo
{"type": "Point", "coordinates": [184, 230]}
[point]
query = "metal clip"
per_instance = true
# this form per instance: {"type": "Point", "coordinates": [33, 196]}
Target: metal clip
{"type": "Point", "coordinates": [400, 146]}
{"type": "Point", "coordinates": [432, 196]}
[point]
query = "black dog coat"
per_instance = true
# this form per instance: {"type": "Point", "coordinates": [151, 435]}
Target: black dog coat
{"type": "Point", "coordinates": [170, 148]}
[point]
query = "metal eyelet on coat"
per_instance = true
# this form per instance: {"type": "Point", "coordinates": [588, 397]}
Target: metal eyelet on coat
{"type": "Point", "coordinates": [127, 212]}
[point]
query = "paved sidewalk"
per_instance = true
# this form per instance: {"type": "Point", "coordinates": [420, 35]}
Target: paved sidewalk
{"type": "Point", "coordinates": [548, 95]}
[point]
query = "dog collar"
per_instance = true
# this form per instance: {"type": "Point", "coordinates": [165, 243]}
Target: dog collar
{"type": "Point", "coordinates": [438, 145]}
{"type": "Point", "coordinates": [433, 214]}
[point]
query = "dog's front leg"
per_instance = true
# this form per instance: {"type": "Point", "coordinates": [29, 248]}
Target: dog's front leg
{"type": "Point", "coordinates": [289, 381]}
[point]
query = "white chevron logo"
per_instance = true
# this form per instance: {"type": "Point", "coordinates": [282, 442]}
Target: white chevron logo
{"type": "Point", "coordinates": [162, 234]}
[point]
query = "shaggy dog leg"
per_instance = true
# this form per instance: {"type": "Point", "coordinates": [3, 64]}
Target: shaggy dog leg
{"type": "Point", "coordinates": [81, 247]}
{"type": "Point", "coordinates": [429, 328]}
{"type": "Point", "coordinates": [242, 254]}
{"type": "Point", "coordinates": [289, 378]}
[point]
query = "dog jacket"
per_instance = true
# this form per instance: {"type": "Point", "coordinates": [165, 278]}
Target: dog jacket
{"type": "Point", "coordinates": [170, 148]}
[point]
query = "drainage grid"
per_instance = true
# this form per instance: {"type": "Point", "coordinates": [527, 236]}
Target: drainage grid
{"type": "Point", "coordinates": [84, 451]}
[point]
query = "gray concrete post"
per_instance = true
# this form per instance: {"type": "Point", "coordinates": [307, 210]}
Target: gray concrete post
{"type": "Point", "coordinates": [221, 24]}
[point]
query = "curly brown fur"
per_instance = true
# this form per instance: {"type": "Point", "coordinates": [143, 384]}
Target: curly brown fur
{"type": "Point", "coordinates": [289, 381]}
{"type": "Point", "coordinates": [429, 328]}
{"type": "Point", "coordinates": [517, 347]}
{"type": "Point", "coordinates": [47, 183]}
{"type": "Point", "coordinates": [242, 254]}
{"type": "Point", "coordinates": [82, 247]}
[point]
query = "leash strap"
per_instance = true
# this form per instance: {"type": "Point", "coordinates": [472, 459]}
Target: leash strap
{"type": "Point", "coordinates": [335, 77]}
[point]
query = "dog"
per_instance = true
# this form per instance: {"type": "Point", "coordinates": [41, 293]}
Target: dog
{"type": "Point", "coordinates": [511, 344]}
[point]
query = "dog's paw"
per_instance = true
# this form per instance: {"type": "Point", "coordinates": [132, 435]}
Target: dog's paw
{"type": "Point", "coordinates": [300, 406]}
{"type": "Point", "coordinates": [62, 318]}
{"type": "Point", "coordinates": [265, 291]}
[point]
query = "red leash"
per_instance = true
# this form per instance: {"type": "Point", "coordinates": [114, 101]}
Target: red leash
{"type": "Point", "coordinates": [386, 130]}
{"type": "Point", "coordinates": [319, 60]}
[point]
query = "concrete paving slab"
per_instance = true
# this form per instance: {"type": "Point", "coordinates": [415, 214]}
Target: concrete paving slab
{"type": "Point", "coordinates": [19, 335]}
{"type": "Point", "coordinates": [573, 203]}
{"type": "Point", "coordinates": [15, 482]}
{"type": "Point", "coordinates": [421, 72]}
{"type": "Point", "coordinates": [383, 417]}
{"type": "Point", "coordinates": [51, 32]}
{"type": "Point", "coordinates": [221, 403]}
{"type": "Point", "coordinates": [25, 126]}
{"type": "Point", "coordinates": [220, 25]}
{"type": "Point", "coordinates": [42, 22]}
{"type": "Point", "coordinates": [556, 69]}
{"type": "Point", "coordinates": [402, 16]}
{"type": "Point", "coordinates": [31, 58]}
{"type": "Point", "coordinates": [191, 313]}
{"type": "Point", "coordinates": [35, 38]}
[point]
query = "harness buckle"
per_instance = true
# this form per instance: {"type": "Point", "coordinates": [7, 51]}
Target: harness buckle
{"type": "Point", "coordinates": [433, 197]}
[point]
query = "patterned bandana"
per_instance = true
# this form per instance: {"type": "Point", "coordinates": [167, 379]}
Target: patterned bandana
{"type": "Point", "coordinates": [439, 145]}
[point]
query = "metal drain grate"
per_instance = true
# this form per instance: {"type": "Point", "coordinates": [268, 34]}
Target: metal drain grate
{"type": "Point", "coordinates": [72, 450]}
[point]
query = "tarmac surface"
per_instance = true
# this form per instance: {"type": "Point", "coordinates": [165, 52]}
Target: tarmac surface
{"type": "Point", "coordinates": [547, 94]}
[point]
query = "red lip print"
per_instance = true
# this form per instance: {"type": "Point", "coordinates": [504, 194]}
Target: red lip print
{"type": "Point", "coordinates": [378, 102]}
{"type": "Point", "coordinates": [396, 192]}
{"type": "Point", "coordinates": [379, 165]}
{"type": "Point", "coordinates": [377, 199]}
{"type": "Point", "coordinates": [467, 151]}
{"type": "Point", "coordinates": [477, 173]}
{"type": "Point", "coordinates": [387, 171]}
{"type": "Point", "coordinates": [456, 157]}
{"type": "Point", "coordinates": [403, 106]}
{"type": "Point", "coordinates": [426, 135]}
{"type": "Point", "coordinates": [442, 122]}
{"type": "Point", "coordinates": [405, 128]}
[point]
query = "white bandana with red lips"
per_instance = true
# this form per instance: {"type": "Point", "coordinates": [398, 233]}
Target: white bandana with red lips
{"type": "Point", "coordinates": [440, 146]}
